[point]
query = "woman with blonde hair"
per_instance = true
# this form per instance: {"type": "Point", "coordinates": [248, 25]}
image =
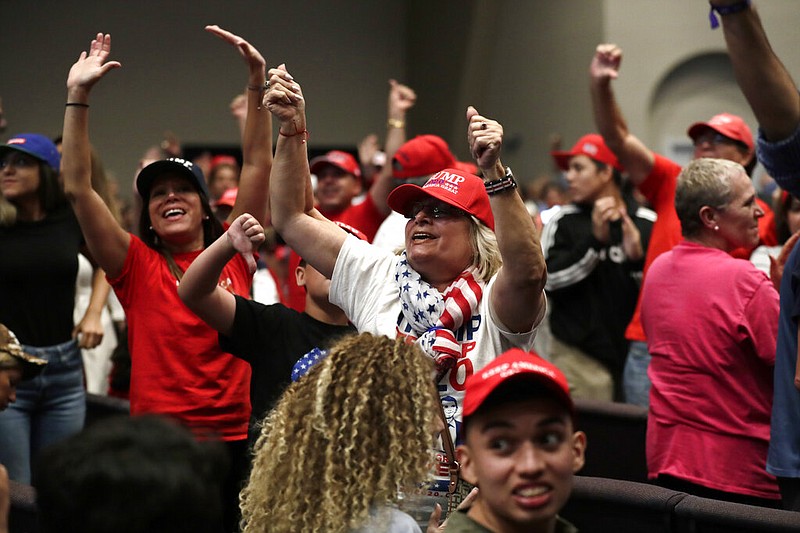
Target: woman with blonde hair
{"type": "Point", "coordinates": [344, 440]}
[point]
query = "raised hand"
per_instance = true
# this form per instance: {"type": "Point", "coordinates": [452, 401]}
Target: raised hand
{"type": "Point", "coordinates": [401, 97]}
{"type": "Point", "coordinates": [368, 149]}
{"type": "Point", "coordinates": [90, 67]}
{"type": "Point", "coordinates": [252, 57]}
{"type": "Point", "coordinates": [606, 62]}
{"type": "Point", "coordinates": [238, 107]}
{"type": "Point", "coordinates": [284, 99]}
{"type": "Point", "coordinates": [485, 138]}
{"type": "Point", "coordinates": [245, 234]}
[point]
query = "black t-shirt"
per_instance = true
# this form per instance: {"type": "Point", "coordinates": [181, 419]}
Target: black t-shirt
{"type": "Point", "coordinates": [272, 338]}
{"type": "Point", "coordinates": [38, 267]}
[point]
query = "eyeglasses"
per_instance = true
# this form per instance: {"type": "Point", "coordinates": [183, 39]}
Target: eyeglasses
{"type": "Point", "coordinates": [435, 209]}
{"type": "Point", "coordinates": [18, 161]}
{"type": "Point", "coordinates": [714, 138]}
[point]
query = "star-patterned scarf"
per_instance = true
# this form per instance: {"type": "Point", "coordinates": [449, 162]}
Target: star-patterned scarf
{"type": "Point", "coordinates": [435, 317]}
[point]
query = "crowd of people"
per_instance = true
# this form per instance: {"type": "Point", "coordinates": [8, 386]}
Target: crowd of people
{"type": "Point", "coordinates": [428, 321]}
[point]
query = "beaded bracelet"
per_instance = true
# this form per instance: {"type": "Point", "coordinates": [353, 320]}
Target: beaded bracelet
{"type": "Point", "coordinates": [260, 89]}
{"type": "Point", "coordinates": [499, 185]}
{"type": "Point", "coordinates": [726, 10]}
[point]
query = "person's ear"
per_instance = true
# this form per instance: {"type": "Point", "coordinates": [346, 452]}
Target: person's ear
{"type": "Point", "coordinates": [358, 186]}
{"type": "Point", "coordinates": [464, 458]}
{"type": "Point", "coordinates": [606, 175]}
{"type": "Point", "coordinates": [578, 450]}
{"type": "Point", "coordinates": [300, 275]}
{"type": "Point", "coordinates": [708, 216]}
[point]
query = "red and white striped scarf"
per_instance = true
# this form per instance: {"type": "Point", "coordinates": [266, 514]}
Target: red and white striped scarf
{"type": "Point", "coordinates": [435, 317]}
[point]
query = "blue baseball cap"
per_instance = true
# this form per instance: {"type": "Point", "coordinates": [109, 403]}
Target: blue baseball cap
{"type": "Point", "coordinates": [176, 165]}
{"type": "Point", "coordinates": [35, 145]}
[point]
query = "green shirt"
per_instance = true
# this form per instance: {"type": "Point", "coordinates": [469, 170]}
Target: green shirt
{"type": "Point", "coordinates": [459, 522]}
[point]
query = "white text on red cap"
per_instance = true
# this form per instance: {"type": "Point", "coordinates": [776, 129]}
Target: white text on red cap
{"type": "Point", "coordinates": [509, 369]}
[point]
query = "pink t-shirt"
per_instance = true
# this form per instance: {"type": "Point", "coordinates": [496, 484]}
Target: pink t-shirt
{"type": "Point", "coordinates": [178, 368]}
{"type": "Point", "coordinates": [711, 324]}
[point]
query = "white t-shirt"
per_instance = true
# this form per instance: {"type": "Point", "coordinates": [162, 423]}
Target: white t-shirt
{"type": "Point", "coordinates": [363, 286]}
{"type": "Point", "coordinates": [392, 232]}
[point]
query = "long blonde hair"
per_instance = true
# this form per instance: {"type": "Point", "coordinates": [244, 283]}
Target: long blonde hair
{"type": "Point", "coordinates": [343, 439]}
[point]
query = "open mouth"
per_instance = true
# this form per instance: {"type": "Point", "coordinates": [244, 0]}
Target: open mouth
{"type": "Point", "coordinates": [532, 492]}
{"type": "Point", "coordinates": [174, 213]}
{"type": "Point", "coordinates": [421, 236]}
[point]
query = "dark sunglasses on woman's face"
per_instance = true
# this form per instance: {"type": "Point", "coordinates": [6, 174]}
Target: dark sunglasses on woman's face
{"type": "Point", "coordinates": [435, 209]}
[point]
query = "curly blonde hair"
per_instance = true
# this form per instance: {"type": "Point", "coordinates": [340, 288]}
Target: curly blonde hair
{"type": "Point", "coordinates": [343, 439]}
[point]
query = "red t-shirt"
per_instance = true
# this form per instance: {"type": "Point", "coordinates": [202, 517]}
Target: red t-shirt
{"type": "Point", "coordinates": [659, 189]}
{"type": "Point", "coordinates": [177, 366]}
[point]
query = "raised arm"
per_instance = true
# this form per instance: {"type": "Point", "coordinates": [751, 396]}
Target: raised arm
{"type": "Point", "coordinates": [253, 193]}
{"type": "Point", "coordinates": [637, 158]}
{"type": "Point", "coordinates": [199, 288]}
{"type": "Point", "coordinates": [517, 297]}
{"type": "Point", "coordinates": [401, 99]}
{"type": "Point", "coordinates": [764, 80]}
{"type": "Point", "coordinates": [106, 240]}
{"type": "Point", "coordinates": [305, 230]}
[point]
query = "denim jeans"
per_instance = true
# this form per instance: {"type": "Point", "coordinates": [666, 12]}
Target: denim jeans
{"type": "Point", "coordinates": [635, 382]}
{"type": "Point", "coordinates": [49, 408]}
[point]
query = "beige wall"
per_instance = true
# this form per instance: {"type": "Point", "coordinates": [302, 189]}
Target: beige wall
{"type": "Point", "coordinates": [522, 61]}
{"type": "Point", "coordinates": [659, 37]}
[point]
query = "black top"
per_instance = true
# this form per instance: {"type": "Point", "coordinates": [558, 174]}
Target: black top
{"type": "Point", "coordinates": [38, 270]}
{"type": "Point", "coordinates": [272, 338]}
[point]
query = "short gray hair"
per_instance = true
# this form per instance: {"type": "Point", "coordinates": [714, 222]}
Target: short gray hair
{"type": "Point", "coordinates": [703, 182]}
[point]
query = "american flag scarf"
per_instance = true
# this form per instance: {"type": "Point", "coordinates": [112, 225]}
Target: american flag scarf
{"type": "Point", "coordinates": [435, 317]}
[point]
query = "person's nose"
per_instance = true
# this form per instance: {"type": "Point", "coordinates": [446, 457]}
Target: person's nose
{"type": "Point", "coordinates": [422, 216]}
{"type": "Point", "coordinates": [13, 396]}
{"type": "Point", "coordinates": [570, 175]}
{"type": "Point", "coordinates": [530, 460]}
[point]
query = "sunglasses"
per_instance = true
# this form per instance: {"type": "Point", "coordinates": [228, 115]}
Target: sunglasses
{"type": "Point", "coordinates": [715, 139]}
{"type": "Point", "coordinates": [435, 209]}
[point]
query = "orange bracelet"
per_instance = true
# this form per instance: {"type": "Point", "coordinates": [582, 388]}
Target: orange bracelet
{"type": "Point", "coordinates": [296, 133]}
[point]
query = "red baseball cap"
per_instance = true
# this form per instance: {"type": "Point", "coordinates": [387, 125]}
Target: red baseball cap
{"type": "Point", "coordinates": [223, 159]}
{"type": "Point", "coordinates": [592, 146]}
{"type": "Point", "coordinates": [731, 126]}
{"type": "Point", "coordinates": [514, 362]}
{"type": "Point", "coordinates": [228, 197]}
{"type": "Point", "coordinates": [421, 156]}
{"type": "Point", "coordinates": [339, 159]}
{"type": "Point", "coordinates": [452, 186]}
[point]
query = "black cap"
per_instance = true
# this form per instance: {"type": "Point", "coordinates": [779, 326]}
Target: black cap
{"type": "Point", "coordinates": [182, 167]}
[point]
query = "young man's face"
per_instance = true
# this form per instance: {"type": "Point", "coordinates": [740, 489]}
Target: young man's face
{"type": "Point", "coordinates": [523, 457]}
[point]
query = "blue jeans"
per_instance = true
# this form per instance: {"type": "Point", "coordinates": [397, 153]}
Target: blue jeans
{"type": "Point", "coordinates": [635, 382]}
{"type": "Point", "coordinates": [49, 408]}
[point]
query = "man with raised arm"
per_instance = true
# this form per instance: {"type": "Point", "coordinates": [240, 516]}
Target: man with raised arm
{"type": "Point", "coordinates": [774, 98]}
{"type": "Point", "coordinates": [724, 136]}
